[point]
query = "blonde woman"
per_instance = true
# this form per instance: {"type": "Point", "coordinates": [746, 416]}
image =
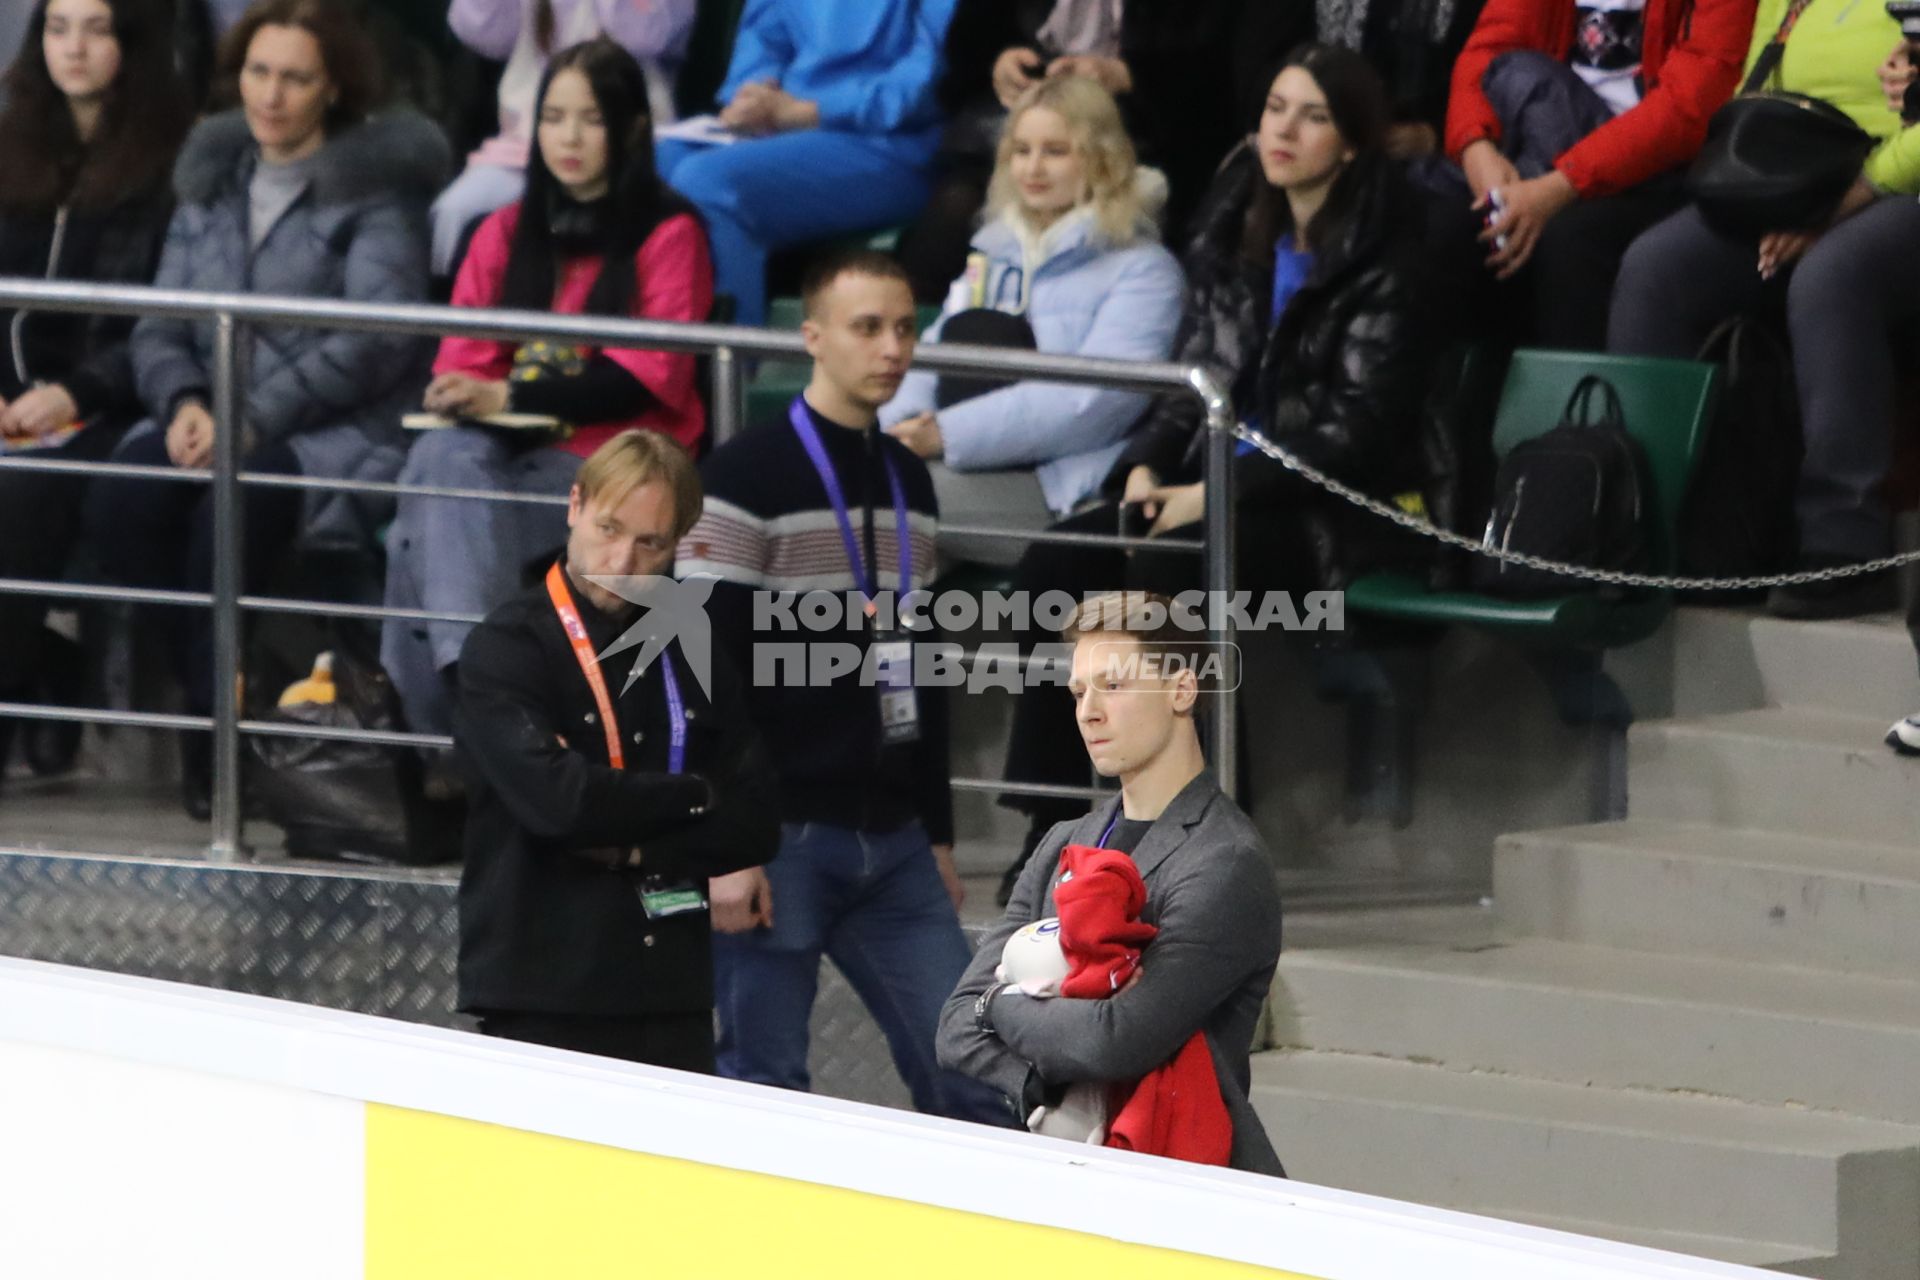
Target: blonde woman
{"type": "Point", "coordinates": [1071, 247]}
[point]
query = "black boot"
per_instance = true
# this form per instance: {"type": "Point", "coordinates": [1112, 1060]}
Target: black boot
{"type": "Point", "coordinates": [196, 775]}
{"type": "Point", "coordinates": [52, 746]}
{"type": "Point", "coordinates": [1853, 597]}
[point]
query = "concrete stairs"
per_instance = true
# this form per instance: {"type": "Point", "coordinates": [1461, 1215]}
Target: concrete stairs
{"type": "Point", "coordinates": [1698, 1029]}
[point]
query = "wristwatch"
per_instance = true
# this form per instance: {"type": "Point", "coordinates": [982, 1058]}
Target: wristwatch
{"type": "Point", "coordinates": [983, 1007]}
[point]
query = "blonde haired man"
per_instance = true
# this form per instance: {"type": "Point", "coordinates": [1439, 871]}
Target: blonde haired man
{"type": "Point", "coordinates": [603, 800]}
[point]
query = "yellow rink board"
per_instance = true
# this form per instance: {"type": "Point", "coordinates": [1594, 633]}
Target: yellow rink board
{"type": "Point", "coordinates": [452, 1199]}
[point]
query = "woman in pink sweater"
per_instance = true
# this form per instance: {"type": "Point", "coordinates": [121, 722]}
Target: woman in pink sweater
{"type": "Point", "coordinates": [596, 232]}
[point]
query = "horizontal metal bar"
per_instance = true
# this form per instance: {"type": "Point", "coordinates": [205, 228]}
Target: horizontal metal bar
{"type": "Point", "coordinates": [128, 470]}
{"type": "Point", "coordinates": [518, 326]}
{"type": "Point", "coordinates": [324, 484]}
{"type": "Point", "coordinates": [1072, 538]}
{"type": "Point", "coordinates": [362, 612]}
{"type": "Point", "coordinates": [374, 737]}
{"type": "Point", "coordinates": [96, 591]}
{"type": "Point", "coordinates": [101, 715]}
{"type": "Point", "coordinates": [997, 786]}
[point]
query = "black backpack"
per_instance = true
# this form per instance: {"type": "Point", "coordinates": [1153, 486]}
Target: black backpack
{"type": "Point", "coordinates": [1738, 517]}
{"type": "Point", "coordinates": [1577, 494]}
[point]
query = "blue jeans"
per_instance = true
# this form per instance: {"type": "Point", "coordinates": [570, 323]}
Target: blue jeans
{"type": "Point", "coordinates": [875, 904]}
{"type": "Point", "coordinates": [761, 194]}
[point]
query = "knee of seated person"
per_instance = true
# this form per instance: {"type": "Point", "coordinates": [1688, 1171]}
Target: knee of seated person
{"type": "Point", "coordinates": [456, 453]}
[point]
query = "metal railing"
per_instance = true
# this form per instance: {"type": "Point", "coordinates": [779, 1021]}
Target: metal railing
{"type": "Point", "coordinates": [234, 316]}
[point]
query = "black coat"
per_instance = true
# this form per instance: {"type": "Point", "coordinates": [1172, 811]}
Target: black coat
{"type": "Point", "coordinates": [546, 924]}
{"type": "Point", "coordinates": [1182, 112]}
{"type": "Point", "coordinates": [1341, 380]}
{"type": "Point", "coordinates": [88, 355]}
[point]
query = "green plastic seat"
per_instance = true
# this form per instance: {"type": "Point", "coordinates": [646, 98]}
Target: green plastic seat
{"type": "Point", "coordinates": [1667, 405]}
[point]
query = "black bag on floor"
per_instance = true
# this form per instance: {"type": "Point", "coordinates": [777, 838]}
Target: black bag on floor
{"type": "Point", "coordinates": [1578, 494]}
{"type": "Point", "coordinates": [345, 801]}
{"type": "Point", "coordinates": [1738, 517]}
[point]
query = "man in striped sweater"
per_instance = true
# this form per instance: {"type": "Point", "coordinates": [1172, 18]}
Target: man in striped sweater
{"type": "Point", "coordinates": [822, 501]}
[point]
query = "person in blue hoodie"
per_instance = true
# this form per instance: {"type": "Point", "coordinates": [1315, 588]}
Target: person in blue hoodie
{"type": "Point", "coordinates": [834, 123]}
{"type": "Point", "coordinates": [1070, 246]}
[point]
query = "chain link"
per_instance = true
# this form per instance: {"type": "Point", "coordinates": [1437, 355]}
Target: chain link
{"type": "Point", "coordinates": [1608, 577]}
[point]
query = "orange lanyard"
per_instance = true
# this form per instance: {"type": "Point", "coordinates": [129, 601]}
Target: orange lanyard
{"type": "Point", "coordinates": [589, 662]}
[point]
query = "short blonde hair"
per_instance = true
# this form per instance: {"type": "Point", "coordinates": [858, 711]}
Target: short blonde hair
{"type": "Point", "coordinates": [636, 457]}
{"type": "Point", "coordinates": [1100, 135]}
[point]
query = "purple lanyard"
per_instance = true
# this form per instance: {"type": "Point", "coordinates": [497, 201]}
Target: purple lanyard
{"type": "Point", "coordinates": [1111, 824]}
{"type": "Point", "coordinates": [676, 717]}
{"type": "Point", "coordinates": [810, 439]}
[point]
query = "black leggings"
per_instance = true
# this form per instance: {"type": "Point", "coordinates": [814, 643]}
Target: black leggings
{"type": "Point", "coordinates": [39, 525]}
{"type": "Point", "coordinates": [159, 534]}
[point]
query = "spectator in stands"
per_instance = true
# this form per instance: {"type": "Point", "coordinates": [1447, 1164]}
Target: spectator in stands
{"type": "Point", "coordinates": [832, 105]}
{"type": "Point", "coordinates": [1306, 295]}
{"type": "Point", "coordinates": [93, 118]}
{"type": "Point", "coordinates": [1210, 892]}
{"type": "Point", "coordinates": [1848, 289]}
{"type": "Point", "coordinates": [1072, 249]}
{"type": "Point", "coordinates": [865, 873]}
{"type": "Point", "coordinates": [1572, 120]}
{"type": "Point", "coordinates": [522, 33]}
{"type": "Point", "coordinates": [596, 232]}
{"type": "Point", "coordinates": [301, 192]}
{"type": "Point", "coordinates": [582, 924]}
{"type": "Point", "coordinates": [1161, 62]}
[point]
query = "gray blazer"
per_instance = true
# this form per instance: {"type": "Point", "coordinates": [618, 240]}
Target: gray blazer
{"type": "Point", "coordinates": [1212, 893]}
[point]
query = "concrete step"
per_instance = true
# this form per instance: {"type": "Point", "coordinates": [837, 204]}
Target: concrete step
{"type": "Point", "coordinates": [1814, 773]}
{"type": "Point", "coordinates": [1591, 1015]}
{"type": "Point", "coordinates": [1719, 891]}
{"type": "Point", "coordinates": [1805, 1184]}
{"type": "Point", "coordinates": [1727, 660]}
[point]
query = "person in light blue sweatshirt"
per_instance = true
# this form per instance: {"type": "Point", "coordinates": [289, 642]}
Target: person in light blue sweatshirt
{"type": "Point", "coordinates": [833, 108]}
{"type": "Point", "coordinates": [1070, 245]}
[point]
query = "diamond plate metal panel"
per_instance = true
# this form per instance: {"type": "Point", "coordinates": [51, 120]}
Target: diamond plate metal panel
{"type": "Point", "coordinates": [344, 940]}
{"type": "Point", "coordinates": [368, 941]}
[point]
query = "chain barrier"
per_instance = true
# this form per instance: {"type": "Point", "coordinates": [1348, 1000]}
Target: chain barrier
{"type": "Point", "coordinates": [1606, 577]}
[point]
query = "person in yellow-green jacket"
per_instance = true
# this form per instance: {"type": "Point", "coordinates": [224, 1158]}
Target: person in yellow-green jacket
{"type": "Point", "coordinates": [1847, 289]}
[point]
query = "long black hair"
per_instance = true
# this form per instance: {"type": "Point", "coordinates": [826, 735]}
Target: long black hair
{"type": "Point", "coordinates": [1361, 111]}
{"type": "Point", "coordinates": [637, 200]}
{"type": "Point", "coordinates": [144, 115]}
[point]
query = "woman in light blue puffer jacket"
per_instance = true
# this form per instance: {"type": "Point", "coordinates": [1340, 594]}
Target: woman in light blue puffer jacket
{"type": "Point", "coordinates": [1070, 245]}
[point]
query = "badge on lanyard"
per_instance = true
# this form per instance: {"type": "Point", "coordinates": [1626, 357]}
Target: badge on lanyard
{"type": "Point", "coordinates": [890, 651]}
{"type": "Point", "coordinates": [663, 899]}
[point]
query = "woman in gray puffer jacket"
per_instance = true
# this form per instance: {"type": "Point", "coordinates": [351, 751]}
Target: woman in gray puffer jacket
{"type": "Point", "coordinates": [301, 192]}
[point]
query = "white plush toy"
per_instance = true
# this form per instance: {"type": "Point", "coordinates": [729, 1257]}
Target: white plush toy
{"type": "Point", "coordinates": [1034, 960]}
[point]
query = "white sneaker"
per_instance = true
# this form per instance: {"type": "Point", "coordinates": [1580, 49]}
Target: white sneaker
{"type": "Point", "coordinates": [1905, 736]}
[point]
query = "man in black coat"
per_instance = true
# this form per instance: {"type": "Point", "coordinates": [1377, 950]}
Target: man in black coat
{"type": "Point", "coordinates": [603, 801]}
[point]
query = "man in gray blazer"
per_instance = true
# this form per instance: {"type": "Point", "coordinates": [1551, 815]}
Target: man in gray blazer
{"type": "Point", "coordinates": [1210, 891]}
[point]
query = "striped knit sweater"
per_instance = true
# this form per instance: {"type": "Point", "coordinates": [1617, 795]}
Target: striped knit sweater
{"type": "Point", "coordinates": [767, 526]}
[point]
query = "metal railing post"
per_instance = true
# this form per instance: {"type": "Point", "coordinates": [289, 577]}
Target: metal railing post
{"type": "Point", "coordinates": [229, 533]}
{"type": "Point", "coordinates": [729, 395]}
{"type": "Point", "coordinates": [1219, 561]}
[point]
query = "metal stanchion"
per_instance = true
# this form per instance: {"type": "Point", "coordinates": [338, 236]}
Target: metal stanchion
{"type": "Point", "coordinates": [229, 533]}
{"type": "Point", "coordinates": [1219, 570]}
{"type": "Point", "coordinates": [729, 394]}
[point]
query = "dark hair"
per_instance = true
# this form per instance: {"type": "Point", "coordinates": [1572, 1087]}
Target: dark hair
{"type": "Point", "coordinates": [637, 200]}
{"type": "Point", "coordinates": [348, 52]}
{"type": "Point", "coordinates": [848, 262]}
{"type": "Point", "coordinates": [1361, 112]}
{"type": "Point", "coordinates": [143, 117]}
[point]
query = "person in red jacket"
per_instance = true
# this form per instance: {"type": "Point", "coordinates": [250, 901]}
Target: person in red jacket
{"type": "Point", "coordinates": [598, 233]}
{"type": "Point", "coordinates": [1572, 120]}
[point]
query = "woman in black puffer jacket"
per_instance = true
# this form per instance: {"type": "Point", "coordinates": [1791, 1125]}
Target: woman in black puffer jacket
{"type": "Point", "coordinates": [93, 117]}
{"type": "Point", "coordinates": [1306, 297]}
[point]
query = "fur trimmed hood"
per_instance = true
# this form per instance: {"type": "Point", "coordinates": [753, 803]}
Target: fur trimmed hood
{"type": "Point", "coordinates": [398, 153]}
